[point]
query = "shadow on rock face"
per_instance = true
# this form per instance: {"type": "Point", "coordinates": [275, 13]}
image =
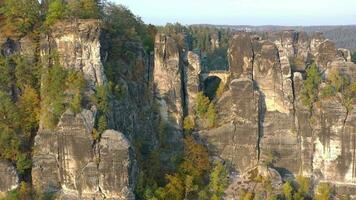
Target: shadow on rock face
{"type": "Point", "coordinates": [211, 85]}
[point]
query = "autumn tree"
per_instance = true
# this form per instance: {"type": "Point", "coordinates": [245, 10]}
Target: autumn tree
{"type": "Point", "coordinates": [21, 15]}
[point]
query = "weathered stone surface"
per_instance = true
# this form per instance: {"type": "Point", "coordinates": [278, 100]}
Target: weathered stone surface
{"type": "Point", "coordinates": [192, 80]}
{"type": "Point", "coordinates": [345, 53]}
{"type": "Point", "coordinates": [236, 138]}
{"type": "Point", "coordinates": [8, 178]}
{"type": "Point", "coordinates": [316, 40]}
{"type": "Point", "coordinates": [78, 47]}
{"type": "Point", "coordinates": [168, 77]}
{"type": "Point", "coordinates": [116, 169]}
{"type": "Point", "coordinates": [247, 182]}
{"type": "Point", "coordinates": [326, 54]}
{"type": "Point", "coordinates": [214, 41]}
{"type": "Point", "coordinates": [69, 161]}
{"type": "Point", "coordinates": [240, 55]}
{"type": "Point", "coordinates": [269, 78]}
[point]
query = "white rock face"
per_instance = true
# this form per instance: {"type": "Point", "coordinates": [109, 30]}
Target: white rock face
{"type": "Point", "coordinates": [192, 79]}
{"type": "Point", "coordinates": [346, 54]}
{"type": "Point", "coordinates": [115, 166]}
{"type": "Point", "coordinates": [78, 47]}
{"type": "Point", "coordinates": [70, 163]}
{"type": "Point", "coordinates": [8, 178]}
{"type": "Point", "coordinates": [167, 75]}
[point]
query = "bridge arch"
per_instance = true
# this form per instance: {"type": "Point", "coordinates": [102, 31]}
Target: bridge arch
{"type": "Point", "coordinates": [211, 80]}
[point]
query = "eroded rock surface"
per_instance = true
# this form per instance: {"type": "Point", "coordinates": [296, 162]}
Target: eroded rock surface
{"type": "Point", "coordinates": [69, 160]}
{"type": "Point", "coordinates": [8, 178]}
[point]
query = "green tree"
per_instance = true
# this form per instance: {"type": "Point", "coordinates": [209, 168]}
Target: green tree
{"type": "Point", "coordinates": [12, 195]}
{"type": "Point", "coordinates": [27, 73]}
{"type": "Point", "coordinates": [218, 180]}
{"type": "Point", "coordinates": [202, 104]}
{"type": "Point", "coordinates": [53, 95]}
{"type": "Point", "coordinates": [84, 9]}
{"type": "Point", "coordinates": [101, 98]}
{"type": "Point", "coordinates": [29, 108]}
{"type": "Point", "coordinates": [9, 127]}
{"type": "Point", "coordinates": [5, 75]}
{"type": "Point", "coordinates": [21, 15]}
{"type": "Point", "coordinates": [57, 10]}
{"type": "Point", "coordinates": [309, 93]}
{"type": "Point", "coordinates": [23, 163]}
{"type": "Point", "coordinates": [211, 116]}
{"type": "Point", "coordinates": [75, 84]}
{"type": "Point", "coordinates": [90, 9]}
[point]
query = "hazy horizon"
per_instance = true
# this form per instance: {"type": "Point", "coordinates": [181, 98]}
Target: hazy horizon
{"type": "Point", "coordinates": [245, 12]}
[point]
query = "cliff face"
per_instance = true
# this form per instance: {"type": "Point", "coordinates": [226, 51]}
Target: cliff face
{"type": "Point", "coordinates": [261, 114]}
{"type": "Point", "coordinates": [68, 160]}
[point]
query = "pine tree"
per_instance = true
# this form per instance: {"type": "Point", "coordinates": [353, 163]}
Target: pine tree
{"type": "Point", "coordinates": [218, 180]}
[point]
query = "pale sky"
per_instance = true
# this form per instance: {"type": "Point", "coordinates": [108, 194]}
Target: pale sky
{"type": "Point", "coordinates": [245, 12]}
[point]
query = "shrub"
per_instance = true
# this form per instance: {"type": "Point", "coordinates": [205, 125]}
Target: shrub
{"type": "Point", "coordinates": [101, 98]}
{"type": "Point", "coordinates": [188, 124]}
{"type": "Point", "coordinates": [324, 192]}
{"type": "Point", "coordinates": [53, 96]}
{"type": "Point", "coordinates": [211, 116]}
{"type": "Point", "coordinates": [220, 90]}
{"type": "Point", "coordinates": [12, 195]}
{"type": "Point", "coordinates": [304, 186]}
{"type": "Point", "coordinates": [288, 190]}
{"type": "Point", "coordinates": [75, 84]}
{"type": "Point", "coordinates": [328, 91]}
{"type": "Point", "coordinates": [23, 163]}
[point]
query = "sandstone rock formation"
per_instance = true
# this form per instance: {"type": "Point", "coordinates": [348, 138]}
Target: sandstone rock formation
{"type": "Point", "coordinates": [317, 143]}
{"type": "Point", "coordinates": [77, 46]}
{"type": "Point", "coordinates": [8, 178]}
{"type": "Point", "coordinates": [168, 76]}
{"type": "Point", "coordinates": [69, 161]}
{"type": "Point", "coordinates": [192, 81]}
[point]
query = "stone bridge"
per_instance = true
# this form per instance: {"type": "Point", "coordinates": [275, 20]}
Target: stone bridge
{"type": "Point", "coordinates": [223, 75]}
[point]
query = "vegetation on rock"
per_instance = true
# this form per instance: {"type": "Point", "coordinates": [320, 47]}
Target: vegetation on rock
{"type": "Point", "coordinates": [310, 89]}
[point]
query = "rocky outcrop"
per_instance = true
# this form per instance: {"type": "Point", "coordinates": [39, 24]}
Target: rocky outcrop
{"type": "Point", "coordinates": [77, 46]}
{"type": "Point", "coordinates": [240, 56]}
{"type": "Point", "coordinates": [267, 79]}
{"type": "Point", "coordinates": [8, 178]}
{"type": "Point", "coordinates": [168, 76]}
{"type": "Point", "coordinates": [192, 81]}
{"type": "Point", "coordinates": [236, 138]}
{"type": "Point", "coordinates": [70, 161]}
